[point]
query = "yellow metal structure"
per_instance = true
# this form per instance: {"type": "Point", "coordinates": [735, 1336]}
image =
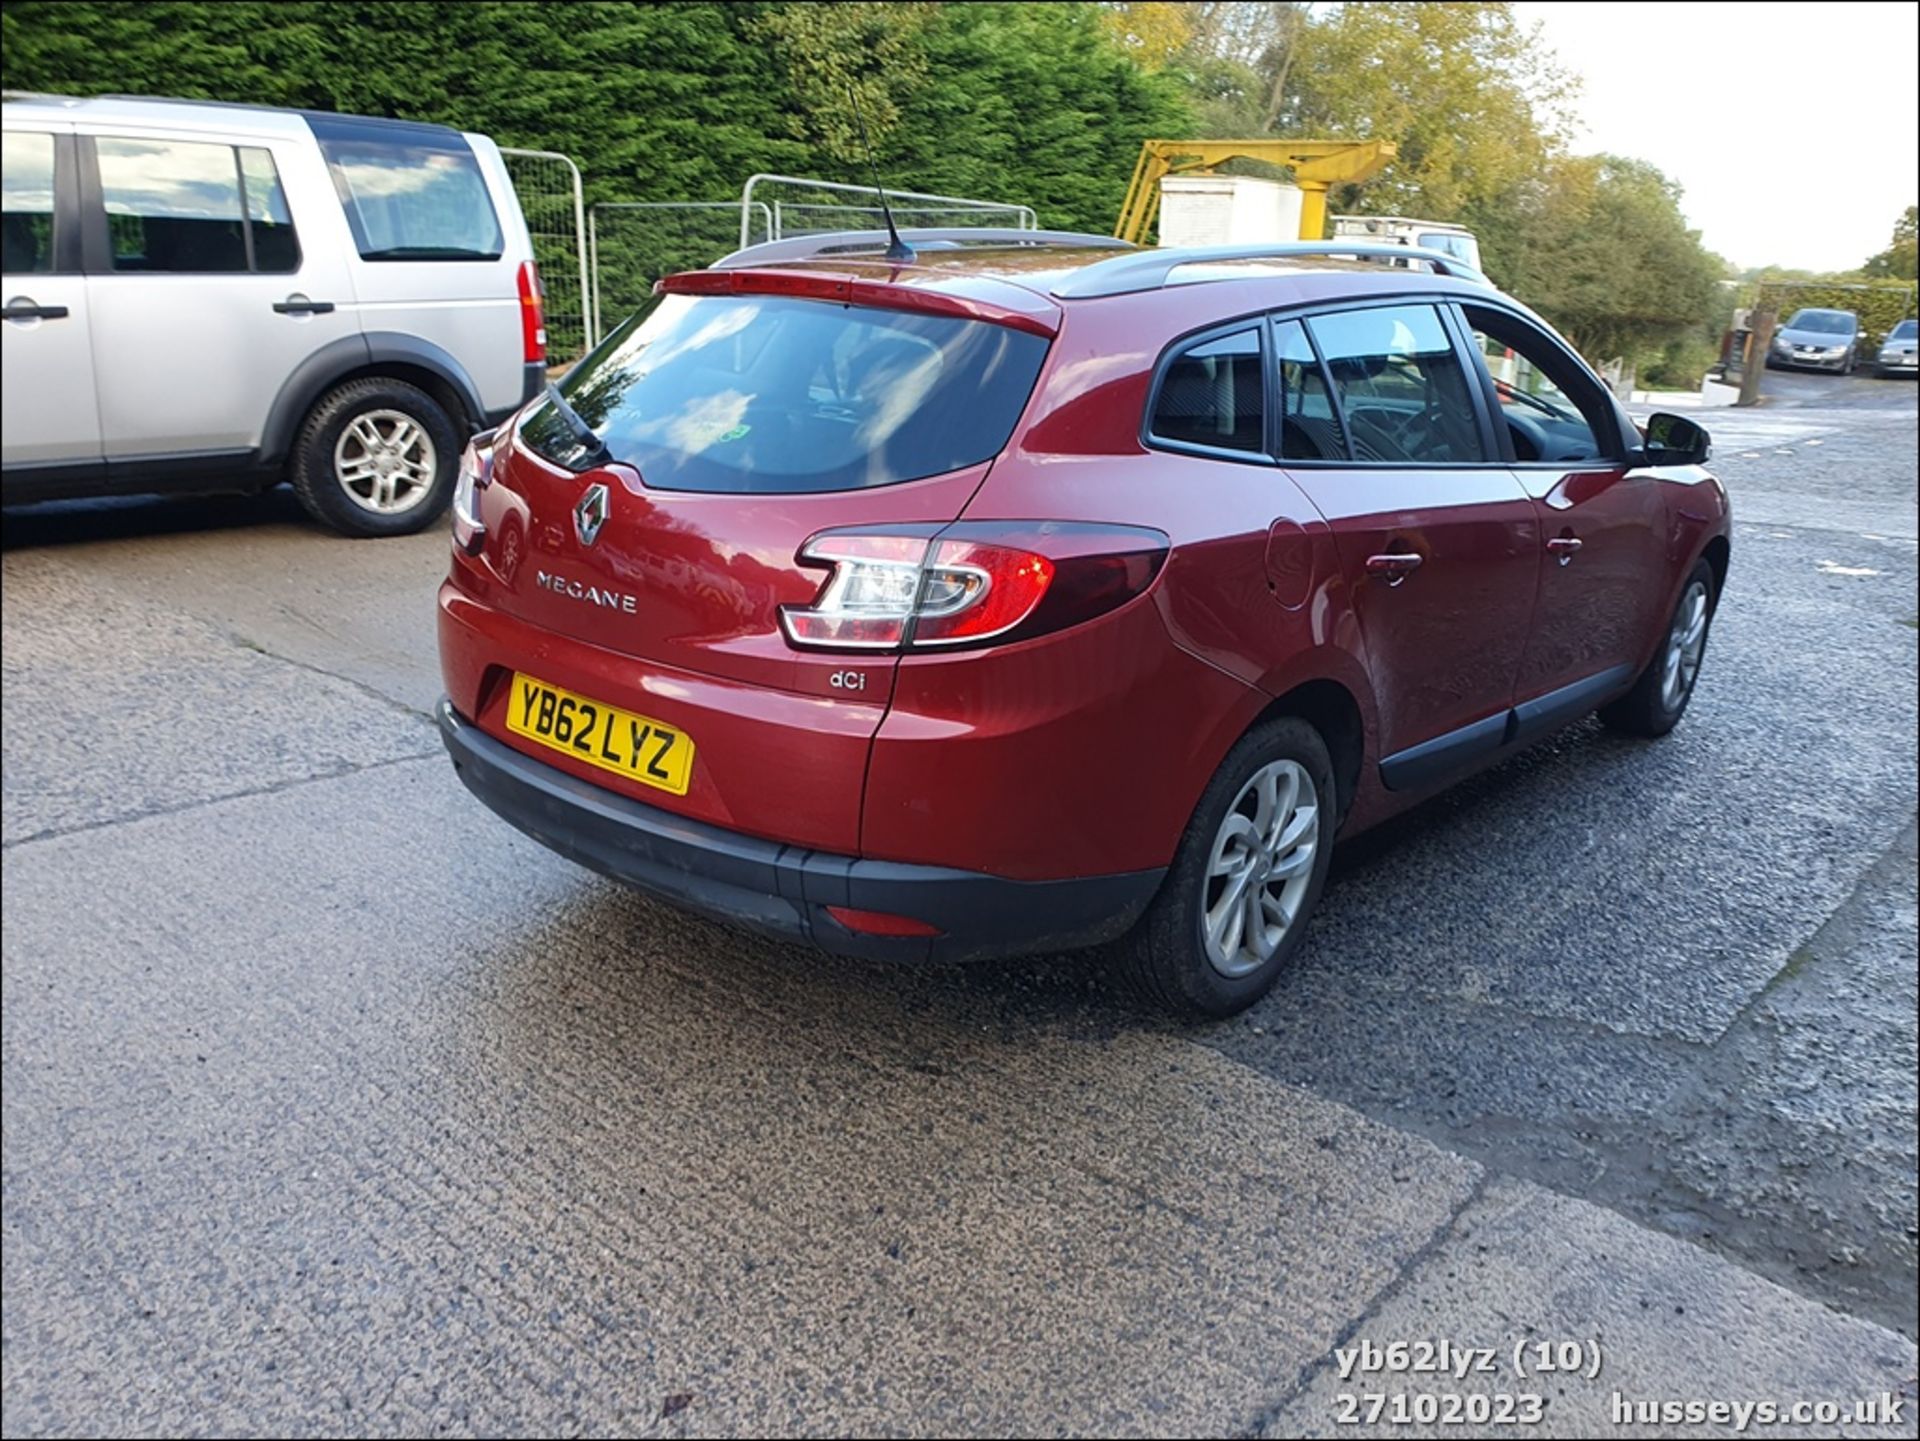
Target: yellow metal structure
{"type": "Point", "coordinates": [1316, 165]}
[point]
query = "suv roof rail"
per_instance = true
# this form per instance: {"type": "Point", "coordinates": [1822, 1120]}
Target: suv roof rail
{"type": "Point", "coordinates": [1151, 269]}
{"type": "Point", "coordinates": [852, 242]}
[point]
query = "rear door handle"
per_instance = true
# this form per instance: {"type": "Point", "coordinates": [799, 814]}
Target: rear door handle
{"type": "Point", "coordinates": [1564, 546]}
{"type": "Point", "coordinates": [300, 305]}
{"type": "Point", "coordinates": [1395, 566]}
{"type": "Point", "coordinates": [24, 309]}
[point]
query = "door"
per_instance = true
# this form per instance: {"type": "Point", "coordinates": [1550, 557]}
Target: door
{"type": "Point", "coordinates": [50, 416]}
{"type": "Point", "coordinates": [1602, 525]}
{"type": "Point", "coordinates": [206, 290]}
{"type": "Point", "coordinates": [1437, 540]}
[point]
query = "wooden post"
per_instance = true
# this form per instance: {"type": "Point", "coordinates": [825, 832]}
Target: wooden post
{"type": "Point", "coordinates": [1759, 346]}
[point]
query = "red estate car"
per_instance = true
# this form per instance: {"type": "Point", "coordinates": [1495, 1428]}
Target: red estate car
{"type": "Point", "coordinates": [1037, 592]}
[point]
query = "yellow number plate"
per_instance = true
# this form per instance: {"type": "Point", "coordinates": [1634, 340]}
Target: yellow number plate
{"type": "Point", "coordinates": [634, 746]}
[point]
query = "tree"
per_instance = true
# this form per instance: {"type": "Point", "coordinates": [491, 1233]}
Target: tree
{"type": "Point", "coordinates": [1900, 259]}
{"type": "Point", "coordinates": [828, 51]}
{"type": "Point", "coordinates": [1152, 31]}
{"type": "Point", "coordinates": [1472, 98]}
{"type": "Point", "coordinates": [1606, 255]}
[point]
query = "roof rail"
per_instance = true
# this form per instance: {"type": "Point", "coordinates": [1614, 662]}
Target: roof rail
{"type": "Point", "coordinates": [1151, 269]}
{"type": "Point", "coordinates": [853, 242]}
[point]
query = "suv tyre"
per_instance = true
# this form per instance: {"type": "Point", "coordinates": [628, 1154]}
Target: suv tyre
{"type": "Point", "coordinates": [376, 457]}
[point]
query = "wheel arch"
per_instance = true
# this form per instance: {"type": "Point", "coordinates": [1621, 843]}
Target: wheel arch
{"type": "Point", "coordinates": [1718, 553]}
{"type": "Point", "coordinates": [374, 355]}
{"type": "Point", "coordinates": [1334, 711]}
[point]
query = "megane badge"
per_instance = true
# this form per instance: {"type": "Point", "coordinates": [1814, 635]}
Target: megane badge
{"type": "Point", "coordinates": [591, 513]}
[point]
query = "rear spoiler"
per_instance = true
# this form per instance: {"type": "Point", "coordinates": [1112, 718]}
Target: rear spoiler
{"type": "Point", "coordinates": [1023, 309]}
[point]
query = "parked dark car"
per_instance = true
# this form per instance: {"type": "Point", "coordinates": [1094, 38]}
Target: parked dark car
{"type": "Point", "coordinates": [1036, 593]}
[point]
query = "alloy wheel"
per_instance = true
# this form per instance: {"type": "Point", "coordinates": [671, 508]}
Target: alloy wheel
{"type": "Point", "coordinates": [1260, 867]}
{"type": "Point", "coordinates": [1686, 643]}
{"type": "Point", "coordinates": [385, 461]}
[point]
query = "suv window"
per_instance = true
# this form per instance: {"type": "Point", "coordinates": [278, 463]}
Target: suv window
{"type": "Point", "coordinates": [26, 163]}
{"type": "Point", "coordinates": [1552, 413]}
{"type": "Point", "coordinates": [754, 394]}
{"type": "Point", "coordinates": [172, 205]}
{"type": "Point", "coordinates": [276, 248]}
{"type": "Point", "coordinates": [1403, 394]}
{"type": "Point", "coordinates": [409, 194]}
{"type": "Point", "coordinates": [1212, 394]}
{"type": "Point", "coordinates": [1309, 427]}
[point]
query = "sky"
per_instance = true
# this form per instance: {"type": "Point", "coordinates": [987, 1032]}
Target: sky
{"type": "Point", "coordinates": [1791, 126]}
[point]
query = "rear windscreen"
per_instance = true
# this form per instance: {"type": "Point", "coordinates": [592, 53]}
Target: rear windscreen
{"type": "Point", "coordinates": [765, 394]}
{"type": "Point", "coordinates": [410, 193]}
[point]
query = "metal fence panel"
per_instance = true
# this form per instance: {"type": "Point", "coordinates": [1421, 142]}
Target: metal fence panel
{"type": "Point", "coordinates": [807, 196]}
{"type": "Point", "coordinates": [631, 245]}
{"type": "Point", "coordinates": [553, 201]}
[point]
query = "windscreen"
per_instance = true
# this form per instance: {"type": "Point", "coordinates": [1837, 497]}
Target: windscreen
{"type": "Point", "coordinates": [769, 394]}
{"type": "Point", "coordinates": [1905, 330]}
{"type": "Point", "coordinates": [1822, 322]}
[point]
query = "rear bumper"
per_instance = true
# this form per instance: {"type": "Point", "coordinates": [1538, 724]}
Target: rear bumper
{"type": "Point", "coordinates": [782, 890]}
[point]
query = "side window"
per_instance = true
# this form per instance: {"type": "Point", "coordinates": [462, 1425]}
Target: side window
{"type": "Point", "coordinates": [172, 205]}
{"type": "Point", "coordinates": [409, 195]}
{"type": "Point", "coordinates": [1309, 427]}
{"type": "Point", "coordinates": [26, 170]}
{"type": "Point", "coordinates": [1545, 421]}
{"type": "Point", "coordinates": [276, 248]}
{"type": "Point", "coordinates": [1403, 394]}
{"type": "Point", "coordinates": [1212, 395]}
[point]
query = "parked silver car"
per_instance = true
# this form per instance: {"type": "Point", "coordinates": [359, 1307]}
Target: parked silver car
{"type": "Point", "coordinates": [1897, 351]}
{"type": "Point", "coordinates": [210, 297]}
{"type": "Point", "coordinates": [1818, 340]}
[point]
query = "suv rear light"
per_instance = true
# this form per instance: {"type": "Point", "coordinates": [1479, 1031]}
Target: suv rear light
{"type": "Point", "coordinates": [475, 475]}
{"type": "Point", "coordinates": [969, 584]}
{"type": "Point", "coordinates": [533, 320]}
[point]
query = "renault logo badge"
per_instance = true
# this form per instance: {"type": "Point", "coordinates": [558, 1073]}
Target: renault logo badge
{"type": "Point", "coordinates": [591, 513]}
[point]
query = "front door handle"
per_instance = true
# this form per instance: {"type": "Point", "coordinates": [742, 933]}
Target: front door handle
{"type": "Point", "coordinates": [1395, 566]}
{"type": "Point", "coordinates": [1564, 547]}
{"type": "Point", "coordinates": [21, 308]}
{"type": "Point", "coordinates": [300, 305]}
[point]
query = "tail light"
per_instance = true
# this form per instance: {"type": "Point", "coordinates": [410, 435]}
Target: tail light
{"type": "Point", "coordinates": [968, 584]}
{"type": "Point", "coordinates": [475, 475]}
{"type": "Point", "coordinates": [533, 320]}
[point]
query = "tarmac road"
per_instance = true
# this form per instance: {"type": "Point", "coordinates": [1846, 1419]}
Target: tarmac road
{"type": "Point", "coordinates": [332, 1104]}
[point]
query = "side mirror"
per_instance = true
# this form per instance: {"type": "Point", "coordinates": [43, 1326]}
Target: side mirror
{"type": "Point", "coordinates": [1675, 440]}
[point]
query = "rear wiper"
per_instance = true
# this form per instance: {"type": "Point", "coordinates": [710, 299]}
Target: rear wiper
{"type": "Point", "coordinates": [596, 448]}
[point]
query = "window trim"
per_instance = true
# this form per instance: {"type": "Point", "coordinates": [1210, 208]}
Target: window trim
{"type": "Point", "coordinates": [1440, 302]}
{"type": "Point", "coordinates": [299, 250]}
{"type": "Point", "coordinates": [1254, 321]}
{"type": "Point", "coordinates": [1274, 322]}
{"type": "Point", "coordinates": [1613, 444]}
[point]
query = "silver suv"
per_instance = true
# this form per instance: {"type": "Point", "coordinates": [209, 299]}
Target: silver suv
{"type": "Point", "coordinates": [204, 297]}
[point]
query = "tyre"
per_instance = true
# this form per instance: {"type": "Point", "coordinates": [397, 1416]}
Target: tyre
{"type": "Point", "coordinates": [375, 457]}
{"type": "Point", "coordinates": [1235, 903]}
{"type": "Point", "coordinates": [1659, 697]}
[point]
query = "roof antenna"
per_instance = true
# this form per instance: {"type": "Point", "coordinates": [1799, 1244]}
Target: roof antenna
{"type": "Point", "coordinates": [898, 250]}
